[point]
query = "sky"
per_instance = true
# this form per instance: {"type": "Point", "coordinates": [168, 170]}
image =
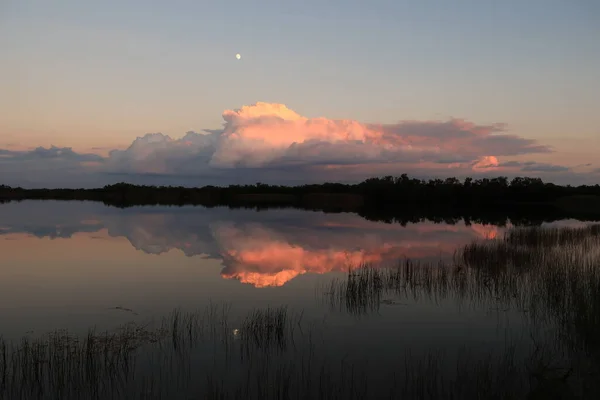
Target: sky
{"type": "Point", "coordinates": [336, 90]}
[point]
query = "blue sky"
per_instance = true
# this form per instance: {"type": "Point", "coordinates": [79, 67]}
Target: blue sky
{"type": "Point", "coordinates": [99, 74]}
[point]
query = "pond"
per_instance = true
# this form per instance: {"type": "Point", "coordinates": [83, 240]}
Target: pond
{"type": "Point", "coordinates": [272, 304]}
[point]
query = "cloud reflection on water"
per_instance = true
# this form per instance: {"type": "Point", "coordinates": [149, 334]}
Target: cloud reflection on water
{"type": "Point", "coordinates": [258, 248]}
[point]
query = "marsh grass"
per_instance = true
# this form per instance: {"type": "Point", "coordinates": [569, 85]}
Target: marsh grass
{"type": "Point", "coordinates": [550, 237]}
{"type": "Point", "coordinates": [270, 328]}
{"type": "Point", "coordinates": [188, 355]}
{"type": "Point", "coordinates": [552, 281]}
{"type": "Point", "coordinates": [554, 275]}
{"type": "Point", "coordinates": [62, 365]}
{"type": "Point", "coordinates": [367, 288]}
{"type": "Point", "coordinates": [159, 359]}
{"type": "Point", "coordinates": [549, 275]}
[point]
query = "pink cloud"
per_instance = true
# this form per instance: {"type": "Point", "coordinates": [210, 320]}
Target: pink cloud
{"type": "Point", "coordinates": [272, 136]}
{"type": "Point", "coordinates": [488, 163]}
{"type": "Point", "coordinates": [270, 142]}
{"type": "Point", "coordinates": [267, 134]}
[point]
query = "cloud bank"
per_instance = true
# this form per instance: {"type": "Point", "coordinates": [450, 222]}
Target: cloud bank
{"type": "Point", "coordinates": [271, 136]}
{"type": "Point", "coordinates": [271, 143]}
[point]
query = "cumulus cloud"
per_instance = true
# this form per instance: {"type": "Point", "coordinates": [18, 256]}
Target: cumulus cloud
{"type": "Point", "coordinates": [267, 136]}
{"type": "Point", "coordinates": [271, 143]}
{"type": "Point", "coordinates": [153, 153]}
{"type": "Point", "coordinates": [271, 134]}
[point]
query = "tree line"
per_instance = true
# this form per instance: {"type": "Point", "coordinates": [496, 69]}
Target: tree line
{"type": "Point", "coordinates": [381, 193]}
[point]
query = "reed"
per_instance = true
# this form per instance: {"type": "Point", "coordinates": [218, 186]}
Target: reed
{"type": "Point", "coordinates": [551, 277]}
{"type": "Point", "coordinates": [112, 365]}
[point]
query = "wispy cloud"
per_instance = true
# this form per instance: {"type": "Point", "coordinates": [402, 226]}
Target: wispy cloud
{"type": "Point", "coordinates": [52, 153]}
{"type": "Point", "coordinates": [532, 166]}
{"type": "Point", "coordinates": [545, 168]}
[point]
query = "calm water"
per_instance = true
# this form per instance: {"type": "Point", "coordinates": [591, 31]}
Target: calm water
{"type": "Point", "coordinates": [70, 265]}
{"type": "Point", "coordinates": [66, 264]}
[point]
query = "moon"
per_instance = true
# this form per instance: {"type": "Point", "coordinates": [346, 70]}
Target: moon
{"type": "Point", "coordinates": [238, 56]}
